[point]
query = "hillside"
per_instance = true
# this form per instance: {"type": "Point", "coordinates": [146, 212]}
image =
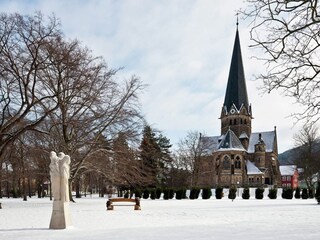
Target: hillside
{"type": "Point", "coordinates": [288, 157]}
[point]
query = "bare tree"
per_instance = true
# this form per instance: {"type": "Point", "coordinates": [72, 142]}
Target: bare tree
{"type": "Point", "coordinates": [288, 34]}
{"type": "Point", "coordinates": [91, 102]}
{"type": "Point", "coordinates": [307, 152]}
{"type": "Point", "coordinates": [189, 153]}
{"type": "Point", "coordinates": [25, 100]}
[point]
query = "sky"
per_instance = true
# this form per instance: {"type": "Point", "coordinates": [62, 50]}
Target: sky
{"type": "Point", "coordinates": [181, 49]}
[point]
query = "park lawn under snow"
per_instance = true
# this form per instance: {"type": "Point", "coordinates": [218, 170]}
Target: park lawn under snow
{"type": "Point", "coordinates": [166, 219]}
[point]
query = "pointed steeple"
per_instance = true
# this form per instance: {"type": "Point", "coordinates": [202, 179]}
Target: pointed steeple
{"type": "Point", "coordinates": [236, 92]}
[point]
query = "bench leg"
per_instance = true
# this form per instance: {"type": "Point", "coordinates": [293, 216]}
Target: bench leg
{"type": "Point", "coordinates": [137, 207]}
{"type": "Point", "coordinates": [109, 205]}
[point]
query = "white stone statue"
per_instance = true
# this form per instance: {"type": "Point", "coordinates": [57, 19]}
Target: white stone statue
{"type": "Point", "coordinates": [59, 175]}
{"type": "Point", "coordinates": [65, 174]}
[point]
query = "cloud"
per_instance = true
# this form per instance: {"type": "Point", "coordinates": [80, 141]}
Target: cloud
{"type": "Point", "coordinates": [181, 49]}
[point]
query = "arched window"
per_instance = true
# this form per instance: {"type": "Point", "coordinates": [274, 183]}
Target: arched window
{"type": "Point", "coordinates": [230, 121]}
{"type": "Point", "coordinates": [226, 163]}
{"type": "Point", "coordinates": [241, 121]}
{"type": "Point", "coordinates": [245, 121]}
{"type": "Point", "coordinates": [235, 121]}
{"type": "Point", "coordinates": [238, 163]}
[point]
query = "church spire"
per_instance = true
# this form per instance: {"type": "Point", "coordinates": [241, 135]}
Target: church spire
{"type": "Point", "coordinates": [236, 92]}
{"type": "Point", "coordinates": [236, 112]}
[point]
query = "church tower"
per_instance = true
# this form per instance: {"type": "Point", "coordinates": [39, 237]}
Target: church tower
{"type": "Point", "coordinates": [236, 112]}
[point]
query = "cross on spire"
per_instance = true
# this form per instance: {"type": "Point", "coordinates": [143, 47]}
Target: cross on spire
{"type": "Point", "coordinates": [237, 19]}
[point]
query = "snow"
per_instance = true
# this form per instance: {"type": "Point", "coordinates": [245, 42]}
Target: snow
{"type": "Point", "coordinates": [252, 169]}
{"type": "Point", "coordinates": [269, 139]}
{"type": "Point", "coordinates": [287, 170]}
{"type": "Point", "coordinates": [166, 219]}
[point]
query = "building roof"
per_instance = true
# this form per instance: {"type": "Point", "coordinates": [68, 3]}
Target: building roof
{"type": "Point", "coordinates": [268, 138]}
{"type": "Point", "coordinates": [252, 169]}
{"type": "Point", "coordinates": [230, 142]}
{"type": "Point", "coordinates": [210, 144]}
{"type": "Point", "coordinates": [236, 92]}
{"type": "Point", "coordinates": [287, 170]}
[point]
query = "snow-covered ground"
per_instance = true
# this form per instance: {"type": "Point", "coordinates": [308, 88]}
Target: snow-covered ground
{"type": "Point", "coordinates": [166, 219]}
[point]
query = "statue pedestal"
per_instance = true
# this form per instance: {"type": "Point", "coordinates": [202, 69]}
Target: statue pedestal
{"type": "Point", "coordinates": [60, 218]}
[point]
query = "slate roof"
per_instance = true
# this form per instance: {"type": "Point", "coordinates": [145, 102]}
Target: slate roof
{"type": "Point", "coordinates": [269, 139]}
{"type": "Point", "coordinates": [252, 169]}
{"type": "Point", "coordinates": [236, 92]}
{"type": "Point", "coordinates": [210, 144]}
{"type": "Point", "coordinates": [213, 144]}
{"type": "Point", "coordinates": [230, 142]}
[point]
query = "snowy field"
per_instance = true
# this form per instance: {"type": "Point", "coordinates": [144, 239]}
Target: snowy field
{"type": "Point", "coordinates": [166, 219]}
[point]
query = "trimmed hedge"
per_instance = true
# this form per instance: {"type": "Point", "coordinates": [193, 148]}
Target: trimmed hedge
{"type": "Point", "coordinates": [219, 192]}
{"type": "Point", "coordinates": [304, 194]}
{"type": "Point", "coordinates": [206, 193]}
{"type": "Point", "coordinates": [194, 193]}
{"type": "Point", "coordinates": [232, 192]}
{"type": "Point", "coordinates": [181, 194]}
{"type": "Point", "coordinates": [317, 195]}
{"type": "Point", "coordinates": [259, 193]}
{"type": "Point", "coordinates": [158, 193]}
{"type": "Point", "coordinates": [146, 194]}
{"type": "Point", "coordinates": [137, 193]}
{"type": "Point", "coordinates": [153, 194]}
{"type": "Point", "coordinates": [297, 194]}
{"type": "Point", "coordinates": [273, 193]}
{"type": "Point", "coordinates": [246, 193]}
{"type": "Point", "coordinates": [311, 192]}
{"type": "Point", "coordinates": [287, 193]}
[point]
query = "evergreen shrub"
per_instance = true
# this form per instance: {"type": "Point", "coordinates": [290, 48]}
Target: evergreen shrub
{"type": "Point", "coordinates": [246, 193]}
{"type": "Point", "coordinates": [181, 193]}
{"type": "Point", "coordinates": [287, 193]}
{"type": "Point", "coordinates": [146, 194]}
{"type": "Point", "coordinates": [166, 194]}
{"type": "Point", "coordinates": [273, 193]}
{"type": "Point", "coordinates": [137, 193]}
{"type": "Point", "coordinates": [311, 192]}
{"type": "Point", "coordinates": [317, 195]}
{"type": "Point", "coordinates": [206, 193]}
{"type": "Point", "coordinates": [219, 192]}
{"type": "Point", "coordinates": [232, 192]}
{"type": "Point", "coordinates": [304, 194]}
{"type": "Point", "coordinates": [259, 193]}
{"type": "Point", "coordinates": [158, 193]}
{"type": "Point", "coordinates": [153, 194]}
{"type": "Point", "coordinates": [194, 193]}
{"type": "Point", "coordinates": [297, 194]}
{"type": "Point", "coordinates": [171, 193]}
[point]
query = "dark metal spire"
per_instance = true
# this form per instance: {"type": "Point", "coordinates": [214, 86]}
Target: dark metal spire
{"type": "Point", "coordinates": [236, 92]}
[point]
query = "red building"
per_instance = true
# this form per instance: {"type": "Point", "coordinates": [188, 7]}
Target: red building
{"type": "Point", "coordinates": [289, 176]}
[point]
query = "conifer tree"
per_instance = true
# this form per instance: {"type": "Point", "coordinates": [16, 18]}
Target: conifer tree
{"type": "Point", "coordinates": [155, 154]}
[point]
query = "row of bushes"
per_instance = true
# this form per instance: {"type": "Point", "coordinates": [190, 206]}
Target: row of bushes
{"type": "Point", "coordinates": [169, 193]}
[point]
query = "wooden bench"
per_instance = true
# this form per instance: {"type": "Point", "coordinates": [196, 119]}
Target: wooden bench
{"type": "Point", "coordinates": [111, 201]}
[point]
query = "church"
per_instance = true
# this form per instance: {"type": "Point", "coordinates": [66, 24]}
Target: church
{"type": "Point", "coordinates": [238, 157]}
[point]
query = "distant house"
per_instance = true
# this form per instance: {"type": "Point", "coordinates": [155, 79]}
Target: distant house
{"type": "Point", "coordinates": [289, 176]}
